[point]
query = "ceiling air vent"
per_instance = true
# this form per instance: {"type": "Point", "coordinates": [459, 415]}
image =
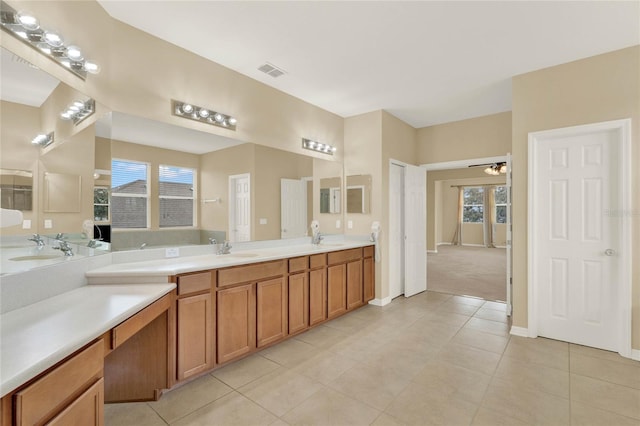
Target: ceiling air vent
{"type": "Point", "coordinates": [18, 59]}
{"type": "Point", "coordinates": [272, 70]}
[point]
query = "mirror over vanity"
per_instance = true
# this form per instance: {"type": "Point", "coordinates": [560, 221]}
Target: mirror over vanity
{"type": "Point", "coordinates": [190, 187]}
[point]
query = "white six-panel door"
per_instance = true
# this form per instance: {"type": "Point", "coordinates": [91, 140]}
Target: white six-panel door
{"type": "Point", "coordinates": [293, 208]}
{"type": "Point", "coordinates": [240, 207]}
{"type": "Point", "coordinates": [575, 238]}
{"type": "Point", "coordinates": [415, 198]}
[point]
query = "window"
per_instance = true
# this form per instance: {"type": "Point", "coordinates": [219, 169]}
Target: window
{"type": "Point", "coordinates": [473, 204]}
{"type": "Point", "coordinates": [501, 204]}
{"type": "Point", "coordinates": [129, 194]}
{"type": "Point", "coordinates": [177, 196]}
{"type": "Point", "coordinates": [101, 204]}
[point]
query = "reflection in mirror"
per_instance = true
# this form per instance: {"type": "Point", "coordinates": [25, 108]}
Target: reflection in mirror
{"type": "Point", "coordinates": [330, 195]}
{"type": "Point", "coordinates": [62, 193]}
{"type": "Point", "coordinates": [16, 189]}
{"type": "Point", "coordinates": [358, 193]}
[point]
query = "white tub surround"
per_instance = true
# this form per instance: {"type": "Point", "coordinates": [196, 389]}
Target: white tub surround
{"type": "Point", "coordinates": [37, 336]}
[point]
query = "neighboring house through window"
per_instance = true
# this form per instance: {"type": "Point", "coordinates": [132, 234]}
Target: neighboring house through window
{"type": "Point", "coordinates": [129, 194]}
{"type": "Point", "coordinates": [177, 196]}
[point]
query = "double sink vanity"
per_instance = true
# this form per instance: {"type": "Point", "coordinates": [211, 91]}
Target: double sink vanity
{"type": "Point", "coordinates": [139, 328]}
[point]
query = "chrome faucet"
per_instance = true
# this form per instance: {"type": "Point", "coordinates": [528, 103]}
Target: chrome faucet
{"type": "Point", "coordinates": [37, 239]}
{"type": "Point", "coordinates": [65, 248]}
{"type": "Point", "coordinates": [212, 241]}
{"type": "Point", "coordinates": [142, 246]}
{"type": "Point", "coordinates": [59, 236]}
{"type": "Point", "coordinates": [94, 244]}
{"type": "Point", "coordinates": [225, 248]}
{"type": "Point", "coordinates": [316, 238]}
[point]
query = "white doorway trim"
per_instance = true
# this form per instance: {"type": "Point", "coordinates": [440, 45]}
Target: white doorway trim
{"type": "Point", "coordinates": [234, 213]}
{"type": "Point", "coordinates": [624, 192]}
{"type": "Point", "coordinates": [463, 164]}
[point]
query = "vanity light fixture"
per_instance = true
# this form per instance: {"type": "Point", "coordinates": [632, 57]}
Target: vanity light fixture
{"type": "Point", "coordinates": [319, 147]}
{"type": "Point", "coordinates": [78, 111]}
{"type": "Point", "coordinates": [43, 140]}
{"type": "Point", "coordinates": [203, 115]}
{"type": "Point", "coordinates": [26, 27]}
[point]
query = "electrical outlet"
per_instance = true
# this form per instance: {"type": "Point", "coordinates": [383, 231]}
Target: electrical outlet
{"type": "Point", "coordinates": [48, 224]}
{"type": "Point", "coordinates": [172, 252]}
{"type": "Point", "coordinates": [26, 224]}
{"type": "Point", "coordinates": [263, 221]}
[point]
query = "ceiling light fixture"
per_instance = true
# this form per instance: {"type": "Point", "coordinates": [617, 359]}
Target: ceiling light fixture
{"type": "Point", "coordinates": [78, 111]}
{"type": "Point", "coordinates": [318, 147]}
{"type": "Point", "coordinates": [26, 27]}
{"type": "Point", "coordinates": [496, 168]}
{"type": "Point", "coordinates": [203, 115]}
{"type": "Point", "coordinates": [43, 139]}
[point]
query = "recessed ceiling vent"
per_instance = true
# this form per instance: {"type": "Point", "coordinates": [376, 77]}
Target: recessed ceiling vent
{"type": "Point", "coordinates": [18, 59]}
{"type": "Point", "coordinates": [272, 70]}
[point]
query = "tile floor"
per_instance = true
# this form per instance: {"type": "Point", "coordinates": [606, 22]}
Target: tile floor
{"type": "Point", "coordinates": [430, 359]}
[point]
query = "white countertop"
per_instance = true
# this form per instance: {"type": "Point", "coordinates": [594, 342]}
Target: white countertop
{"type": "Point", "coordinates": [180, 265]}
{"type": "Point", "coordinates": [36, 337]}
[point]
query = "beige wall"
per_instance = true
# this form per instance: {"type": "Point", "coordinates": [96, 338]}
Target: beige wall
{"type": "Point", "coordinates": [480, 137]}
{"type": "Point", "coordinates": [596, 89]}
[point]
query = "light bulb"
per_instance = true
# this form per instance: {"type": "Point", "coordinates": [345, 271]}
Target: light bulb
{"type": "Point", "coordinates": [218, 117]}
{"type": "Point", "coordinates": [334, 149]}
{"type": "Point", "coordinates": [74, 108]}
{"type": "Point", "coordinates": [28, 21]}
{"type": "Point", "coordinates": [503, 169]}
{"type": "Point", "coordinates": [74, 53]}
{"type": "Point", "coordinates": [187, 108]}
{"type": "Point", "coordinates": [22, 34]}
{"type": "Point", "coordinates": [39, 139]}
{"type": "Point", "coordinates": [91, 67]}
{"type": "Point", "coordinates": [66, 115]}
{"type": "Point", "coordinates": [232, 121]}
{"type": "Point", "coordinates": [53, 39]}
{"type": "Point", "coordinates": [204, 113]}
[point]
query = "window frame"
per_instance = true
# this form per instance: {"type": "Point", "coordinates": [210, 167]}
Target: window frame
{"type": "Point", "coordinates": [496, 205]}
{"type": "Point", "coordinates": [107, 205]}
{"type": "Point", "coordinates": [147, 195]}
{"type": "Point", "coordinates": [464, 205]}
{"type": "Point", "coordinates": [194, 198]}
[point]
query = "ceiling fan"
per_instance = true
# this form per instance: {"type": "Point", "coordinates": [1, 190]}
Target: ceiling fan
{"type": "Point", "coordinates": [493, 169]}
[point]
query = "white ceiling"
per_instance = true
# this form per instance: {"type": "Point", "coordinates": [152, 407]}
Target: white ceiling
{"type": "Point", "coordinates": [425, 62]}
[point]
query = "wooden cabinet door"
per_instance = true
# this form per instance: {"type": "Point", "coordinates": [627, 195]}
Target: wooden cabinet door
{"type": "Point", "coordinates": [368, 278]}
{"type": "Point", "coordinates": [354, 284]}
{"type": "Point", "coordinates": [298, 302]}
{"type": "Point", "coordinates": [236, 322]}
{"type": "Point", "coordinates": [317, 296]}
{"type": "Point", "coordinates": [271, 310]}
{"type": "Point", "coordinates": [87, 409]}
{"type": "Point", "coordinates": [195, 335]}
{"type": "Point", "coordinates": [336, 290]}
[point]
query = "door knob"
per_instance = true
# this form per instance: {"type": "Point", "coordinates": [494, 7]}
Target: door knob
{"type": "Point", "coordinates": [609, 252]}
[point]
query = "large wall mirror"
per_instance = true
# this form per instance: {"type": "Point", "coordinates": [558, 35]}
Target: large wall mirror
{"type": "Point", "coordinates": [16, 189]}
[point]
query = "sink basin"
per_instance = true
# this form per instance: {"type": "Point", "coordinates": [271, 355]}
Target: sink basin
{"type": "Point", "coordinates": [243, 254]}
{"type": "Point", "coordinates": [37, 257]}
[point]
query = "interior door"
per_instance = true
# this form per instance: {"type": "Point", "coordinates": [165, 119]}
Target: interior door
{"type": "Point", "coordinates": [415, 218]}
{"type": "Point", "coordinates": [396, 230]}
{"type": "Point", "coordinates": [576, 241]}
{"type": "Point", "coordinates": [293, 208]}
{"type": "Point", "coordinates": [240, 207]}
{"type": "Point", "coordinates": [509, 282]}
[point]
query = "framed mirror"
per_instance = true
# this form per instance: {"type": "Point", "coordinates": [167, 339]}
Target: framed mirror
{"type": "Point", "coordinates": [16, 189]}
{"type": "Point", "coordinates": [330, 195]}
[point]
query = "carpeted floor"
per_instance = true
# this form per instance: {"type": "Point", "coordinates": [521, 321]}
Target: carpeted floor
{"type": "Point", "coordinates": [470, 271]}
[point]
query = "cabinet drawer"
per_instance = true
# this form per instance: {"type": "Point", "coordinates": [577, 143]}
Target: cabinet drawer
{"type": "Point", "coordinates": [368, 251]}
{"type": "Point", "coordinates": [128, 328]}
{"type": "Point", "coordinates": [250, 273]}
{"type": "Point", "coordinates": [194, 283]}
{"type": "Point", "coordinates": [317, 260]}
{"type": "Point", "coordinates": [47, 396]}
{"type": "Point", "coordinates": [298, 264]}
{"type": "Point", "coordinates": [344, 256]}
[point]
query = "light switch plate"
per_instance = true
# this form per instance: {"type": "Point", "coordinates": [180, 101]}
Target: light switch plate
{"type": "Point", "coordinates": [350, 224]}
{"type": "Point", "coordinates": [26, 224]}
{"type": "Point", "coordinates": [263, 221]}
{"type": "Point", "coordinates": [48, 224]}
{"type": "Point", "coordinates": [172, 252]}
{"type": "Point", "coordinates": [338, 224]}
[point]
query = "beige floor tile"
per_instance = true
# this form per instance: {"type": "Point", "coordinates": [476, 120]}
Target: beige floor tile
{"type": "Point", "coordinates": [494, 327]}
{"type": "Point", "coordinates": [492, 315]}
{"type": "Point", "coordinates": [481, 340]}
{"type": "Point", "coordinates": [448, 318]}
{"type": "Point", "coordinates": [458, 308]}
{"type": "Point", "coordinates": [246, 370]}
{"type": "Point", "coordinates": [453, 381]}
{"type": "Point", "coordinates": [470, 358]}
{"type": "Point", "coordinates": [280, 390]}
{"type": "Point", "coordinates": [279, 422]}
{"type": "Point", "coordinates": [232, 409]}
{"type": "Point", "coordinates": [290, 352]}
{"type": "Point", "coordinates": [498, 306]}
{"type": "Point", "coordinates": [328, 407]}
{"type": "Point", "coordinates": [325, 366]}
{"type": "Point", "coordinates": [417, 405]}
{"type": "Point", "coordinates": [485, 417]}
{"type": "Point", "coordinates": [385, 419]}
{"type": "Point", "coordinates": [347, 324]}
{"type": "Point", "coordinates": [136, 413]}
{"type": "Point", "coordinates": [603, 369]}
{"type": "Point", "coordinates": [188, 398]}
{"type": "Point", "coordinates": [371, 385]}
{"type": "Point", "coordinates": [602, 354]}
{"type": "Point", "coordinates": [322, 337]}
{"type": "Point", "coordinates": [358, 349]}
{"type": "Point", "coordinates": [526, 405]}
{"type": "Point", "coordinates": [547, 352]}
{"type": "Point", "coordinates": [586, 415]}
{"type": "Point", "coordinates": [536, 377]}
{"type": "Point", "coordinates": [605, 395]}
{"type": "Point", "coordinates": [473, 301]}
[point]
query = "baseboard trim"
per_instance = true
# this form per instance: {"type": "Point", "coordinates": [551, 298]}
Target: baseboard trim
{"type": "Point", "coordinates": [380, 302]}
{"type": "Point", "coordinates": [635, 354]}
{"type": "Point", "coordinates": [432, 251]}
{"type": "Point", "coordinates": [444, 244]}
{"type": "Point", "coordinates": [519, 331]}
